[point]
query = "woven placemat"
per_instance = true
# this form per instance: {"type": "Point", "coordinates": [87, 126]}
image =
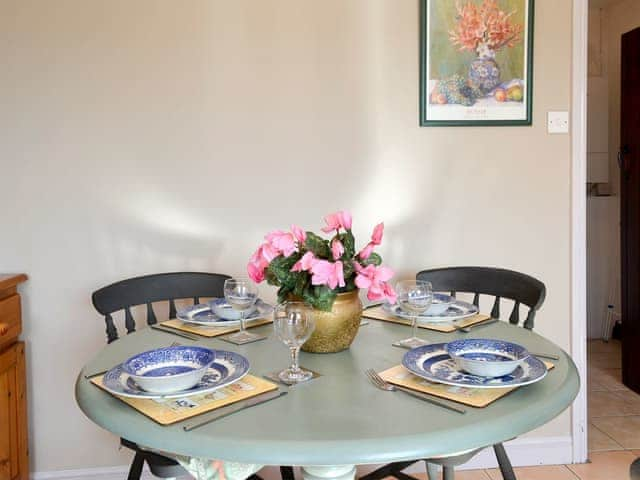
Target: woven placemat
{"type": "Point", "coordinates": [211, 332]}
{"type": "Point", "coordinates": [473, 397]}
{"type": "Point", "coordinates": [170, 411]}
{"type": "Point", "coordinates": [378, 313]}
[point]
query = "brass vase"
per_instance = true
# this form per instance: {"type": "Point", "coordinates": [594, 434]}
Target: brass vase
{"type": "Point", "coordinates": [336, 330]}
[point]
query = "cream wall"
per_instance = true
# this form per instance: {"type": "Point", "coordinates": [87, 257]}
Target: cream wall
{"type": "Point", "coordinates": [150, 136]}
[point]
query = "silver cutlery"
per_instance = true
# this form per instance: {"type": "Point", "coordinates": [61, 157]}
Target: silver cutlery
{"type": "Point", "coordinates": [468, 328]}
{"type": "Point", "coordinates": [102, 372]}
{"type": "Point", "coordinates": [382, 384]}
{"type": "Point", "coordinates": [187, 335]}
{"type": "Point", "coordinates": [233, 408]}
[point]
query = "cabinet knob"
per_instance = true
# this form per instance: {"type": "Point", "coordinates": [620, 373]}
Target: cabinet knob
{"type": "Point", "coordinates": [4, 328]}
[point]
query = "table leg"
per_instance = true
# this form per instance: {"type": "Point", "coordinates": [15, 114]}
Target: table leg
{"type": "Point", "coordinates": [331, 472]}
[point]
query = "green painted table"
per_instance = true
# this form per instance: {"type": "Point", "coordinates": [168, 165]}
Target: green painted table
{"type": "Point", "coordinates": [339, 419]}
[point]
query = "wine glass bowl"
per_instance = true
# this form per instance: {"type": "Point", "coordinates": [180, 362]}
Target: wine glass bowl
{"type": "Point", "coordinates": [293, 324]}
{"type": "Point", "coordinates": [414, 298]}
{"type": "Point", "coordinates": [242, 295]}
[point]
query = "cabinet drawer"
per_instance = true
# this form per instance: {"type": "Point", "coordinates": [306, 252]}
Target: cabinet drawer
{"type": "Point", "coordinates": [10, 319]}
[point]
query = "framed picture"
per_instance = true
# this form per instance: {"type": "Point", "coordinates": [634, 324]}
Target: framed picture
{"type": "Point", "coordinates": [476, 62]}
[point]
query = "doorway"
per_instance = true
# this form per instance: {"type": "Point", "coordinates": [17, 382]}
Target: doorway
{"type": "Point", "coordinates": [613, 225]}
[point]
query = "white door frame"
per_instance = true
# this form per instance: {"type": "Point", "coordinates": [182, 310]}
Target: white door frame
{"type": "Point", "coordinates": [578, 225]}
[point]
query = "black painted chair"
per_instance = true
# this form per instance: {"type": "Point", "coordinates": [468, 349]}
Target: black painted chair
{"type": "Point", "coordinates": [499, 283]}
{"type": "Point", "coordinates": [146, 290]}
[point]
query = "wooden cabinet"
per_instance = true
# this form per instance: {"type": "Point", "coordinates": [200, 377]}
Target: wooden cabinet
{"type": "Point", "coordinates": [14, 454]}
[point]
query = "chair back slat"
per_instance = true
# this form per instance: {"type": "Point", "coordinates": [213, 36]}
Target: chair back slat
{"type": "Point", "coordinates": [476, 299]}
{"type": "Point", "coordinates": [495, 311]}
{"type": "Point", "coordinates": [196, 300]}
{"type": "Point", "coordinates": [497, 282]}
{"type": "Point", "coordinates": [164, 287]}
{"type": "Point", "coordinates": [453, 293]}
{"type": "Point", "coordinates": [129, 322]}
{"type": "Point", "coordinates": [514, 318]}
{"type": "Point", "coordinates": [112, 332]}
{"type": "Point", "coordinates": [151, 315]}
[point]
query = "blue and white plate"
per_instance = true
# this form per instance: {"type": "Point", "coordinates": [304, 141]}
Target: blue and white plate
{"type": "Point", "coordinates": [169, 369]}
{"type": "Point", "coordinates": [203, 315]}
{"type": "Point", "coordinates": [228, 367]}
{"type": "Point", "coordinates": [456, 311]}
{"type": "Point", "coordinates": [433, 363]}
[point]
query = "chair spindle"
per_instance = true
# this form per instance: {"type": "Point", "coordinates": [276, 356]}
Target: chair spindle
{"type": "Point", "coordinates": [514, 318]}
{"type": "Point", "coordinates": [172, 309]}
{"type": "Point", "coordinates": [453, 293]}
{"type": "Point", "coordinates": [476, 300]}
{"type": "Point", "coordinates": [528, 323]}
{"type": "Point", "coordinates": [196, 300]}
{"type": "Point", "coordinates": [129, 322]}
{"type": "Point", "coordinates": [112, 332]}
{"type": "Point", "coordinates": [151, 315]}
{"type": "Point", "coordinates": [495, 311]}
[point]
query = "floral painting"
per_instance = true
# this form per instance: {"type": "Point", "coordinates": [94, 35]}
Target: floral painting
{"type": "Point", "coordinates": [476, 62]}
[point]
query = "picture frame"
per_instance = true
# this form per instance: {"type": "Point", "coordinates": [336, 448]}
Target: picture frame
{"type": "Point", "coordinates": [476, 76]}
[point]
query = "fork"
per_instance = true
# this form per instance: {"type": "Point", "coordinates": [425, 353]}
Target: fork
{"type": "Point", "coordinates": [382, 384]}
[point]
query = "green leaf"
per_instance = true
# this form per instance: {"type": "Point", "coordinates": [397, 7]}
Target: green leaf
{"type": "Point", "coordinates": [318, 245]}
{"type": "Point", "coordinates": [349, 244]}
{"type": "Point", "coordinates": [374, 259]}
{"type": "Point", "coordinates": [279, 270]}
{"type": "Point", "coordinates": [323, 298]}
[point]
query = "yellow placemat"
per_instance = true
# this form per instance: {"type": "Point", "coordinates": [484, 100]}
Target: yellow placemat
{"type": "Point", "coordinates": [378, 313]}
{"type": "Point", "coordinates": [169, 411]}
{"type": "Point", "coordinates": [210, 332]}
{"type": "Point", "coordinates": [473, 397]}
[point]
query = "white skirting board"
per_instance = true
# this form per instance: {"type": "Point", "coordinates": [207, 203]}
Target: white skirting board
{"type": "Point", "coordinates": [522, 452]}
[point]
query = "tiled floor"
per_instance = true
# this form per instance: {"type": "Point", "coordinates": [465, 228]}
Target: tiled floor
{"type": "Point", "coordinates": [614, 426]}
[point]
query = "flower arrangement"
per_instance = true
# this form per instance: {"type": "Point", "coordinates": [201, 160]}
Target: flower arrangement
{"type": "Point", "coordinates": [315, 269]}
{"type": "Point", "coordinates": [484, 29]}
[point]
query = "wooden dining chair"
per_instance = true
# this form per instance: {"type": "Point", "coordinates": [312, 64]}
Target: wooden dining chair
{"type": "Point", "coordinates": [146, 290]}
{"type": "Point", "coordinates": [500, 284]}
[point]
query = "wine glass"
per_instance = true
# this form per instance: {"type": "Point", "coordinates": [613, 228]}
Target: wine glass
{"type": "Point", "coordinates": [414, 298]}
{"type": "Point", "coordinates": [241, 294]}
{"type": "Point", "coordinates": [293, 323]}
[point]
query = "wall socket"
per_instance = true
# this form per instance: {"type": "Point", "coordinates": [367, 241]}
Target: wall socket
{"type": "Point", "coordinates": [558, 122]}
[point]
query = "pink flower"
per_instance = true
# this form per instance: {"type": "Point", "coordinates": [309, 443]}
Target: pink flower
{"type": "Point", "coordinates": [336, 221]}
{"type": "Point", "coordinates": [337, 249]}
{"type": "Point", "coordinates": [260, 260]}
{"type": "Point", "coordinates": [283, 242]}
{"type": "Point", "coordinates": [366, 251]}
{"type": "Point", "coordinates": [375, 280]}
{"type": "Point", "coordinates": [255, 272]}
{"type": "Point", "coordinates": [299, 234]}
{"type": "Point", "coordinates": [327, 273]}
{"type": "Point", "coordinates": [376, 236]}
{"type": "Point", "coordinates": [305, 263]}
{"type": "Point", "coordinates": [376, 239]}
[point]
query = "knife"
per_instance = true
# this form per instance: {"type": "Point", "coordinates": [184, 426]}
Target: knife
{"type": "Point", "coordinates": [236, 407]}
{"type": "Point", "coordinates": [161, 328]}
{"type": "Point", "coordinates": [468, 328]}
{"type": "Point", "coordinates": [427, 398]}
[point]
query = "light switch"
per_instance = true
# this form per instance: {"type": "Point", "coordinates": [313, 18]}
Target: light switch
{"type": "Point", "coordinates": [558, 122]}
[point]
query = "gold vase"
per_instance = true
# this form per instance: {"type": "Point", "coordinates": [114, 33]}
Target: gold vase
{"type": "Point", "coordinates": [336, 330]}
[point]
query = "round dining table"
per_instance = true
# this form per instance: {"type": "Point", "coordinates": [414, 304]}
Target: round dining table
{"type": "Point", "coordinates": [340, 419]}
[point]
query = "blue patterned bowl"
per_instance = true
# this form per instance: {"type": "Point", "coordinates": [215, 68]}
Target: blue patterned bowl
{"type": "Point", "coordinates": [170, 369]}
{"type": "Point", "coordinates": [222, 309]}
{"type": "Point", "coordinates": [487, 358]}
{"type": "Point", "coordinates": [440, 304]}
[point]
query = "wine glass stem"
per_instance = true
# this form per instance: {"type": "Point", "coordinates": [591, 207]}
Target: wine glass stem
{"type": "Point", "coordinates": [294, 358]}
{"type": "Point", "coordinates": [242, 321]}
{"type": "Point", "coordinates": [414, 326]}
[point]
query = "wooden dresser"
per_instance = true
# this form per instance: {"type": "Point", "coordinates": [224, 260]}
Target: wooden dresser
{"type": "Point", "coordinates": [14, 453]}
